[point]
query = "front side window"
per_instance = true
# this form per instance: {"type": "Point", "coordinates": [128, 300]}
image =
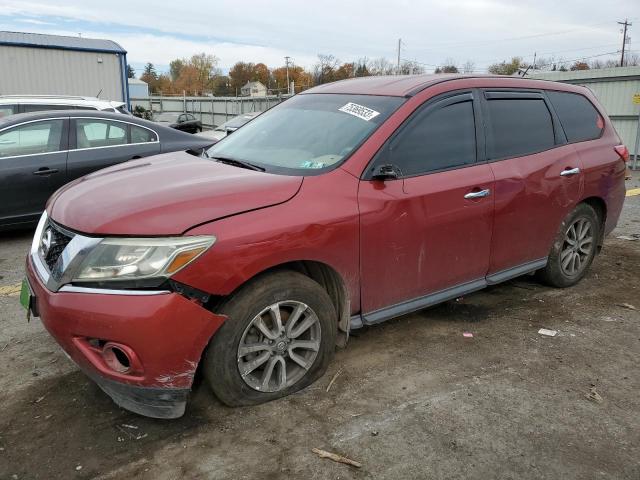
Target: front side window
{"type": "Point", "coordinates": [519, 126]}
{"type": "Point", "coordinates": [91, 132]}
{"type": "Point", "coordinates": [32, 138]}
{"type": "Point", "coordinates": [579, 118]}
{"type": "Point", "coordinates": [436, 139]}
{"type": "Point", "coordinates": [308, 133]}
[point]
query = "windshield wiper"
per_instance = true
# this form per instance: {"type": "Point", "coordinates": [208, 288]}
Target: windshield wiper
{"type": "Point", "coordinates": [238, 163]}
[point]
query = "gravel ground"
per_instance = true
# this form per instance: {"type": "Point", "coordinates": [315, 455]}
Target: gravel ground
{"type": "Point", "coordinates": [413, 398]}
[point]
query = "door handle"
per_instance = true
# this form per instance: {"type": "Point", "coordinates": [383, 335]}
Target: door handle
{"type": "Point", "coordinates": [569, 172]}
{"type": "Point", "coordinates": [45, 171]}
{"type": "Point", "coordinates": [479, 194]}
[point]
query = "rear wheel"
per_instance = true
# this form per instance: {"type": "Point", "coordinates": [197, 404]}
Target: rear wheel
{"type": "Point", "coordinates": [279, 337]}
{"type": "Point", "coordinates": [573, 249]}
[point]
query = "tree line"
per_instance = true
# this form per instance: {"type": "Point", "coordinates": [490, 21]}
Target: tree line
{"type": "Point", "coordinates": [201, 75]}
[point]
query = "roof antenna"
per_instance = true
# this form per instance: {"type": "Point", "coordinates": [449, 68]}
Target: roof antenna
{"type": "Point", "coordinates": [98, 95]}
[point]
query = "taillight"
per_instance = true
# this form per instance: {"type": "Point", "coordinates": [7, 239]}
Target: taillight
{"type": "Point", "coordinates": [623, 151]}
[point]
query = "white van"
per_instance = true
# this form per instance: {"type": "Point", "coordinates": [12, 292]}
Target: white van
{"type": "Point", "coordinates": [12, 104]}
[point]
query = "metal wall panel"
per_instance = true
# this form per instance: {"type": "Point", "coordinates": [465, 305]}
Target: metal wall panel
{"type": "Point", "coordinates": [211, 111]}
{"type": "Point", "coordinates": [48, 71]}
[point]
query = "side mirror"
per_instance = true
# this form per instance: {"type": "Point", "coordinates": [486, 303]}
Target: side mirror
{"type": "Point", "coordinates": [386, 172]}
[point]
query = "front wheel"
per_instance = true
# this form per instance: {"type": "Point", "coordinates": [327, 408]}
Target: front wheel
{"type": "Point", "coordinates": [573, 249]}
{"type": "Point", "coordinates": [279, 337]}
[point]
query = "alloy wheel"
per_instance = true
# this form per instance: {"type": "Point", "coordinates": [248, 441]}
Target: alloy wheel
{"type": "Point", "coordinates": [279, 346]}
{"type": "Point", "coordinates": [577, 247]}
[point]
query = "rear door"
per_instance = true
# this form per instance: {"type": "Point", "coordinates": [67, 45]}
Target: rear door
{"type": "Point", "coordinates": [538, 178]}
{"type": "Point", "coordinates": [429, 231]}
{"type": "Point", "coordinates": [98, 143]}
{"type": "Point", "coordinates": [33, 158]}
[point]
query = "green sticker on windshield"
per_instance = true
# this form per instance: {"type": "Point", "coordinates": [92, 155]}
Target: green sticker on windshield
{"type": "Point", "coordinates": [313, 164]}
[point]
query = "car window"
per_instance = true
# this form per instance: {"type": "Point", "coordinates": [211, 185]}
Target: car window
{"type": "Point", "coordinates": [32, 138]}
{"type": "Point", "coordinates": [190, 117]}
{"type": "Point", "coordinates": [308, 133]}
{"type": "Point", "coordinates": [519, 126]}
{"type": "Point", "coordinates": [42, 107]}
{"type": "Point", "coordinates": [99, 133]}
{"type": "Point", "coordinates": [436, 139]}
{"type": "Point", "coordinates": [181, 118]}
{"type": "Point", "coordinates": [142, 135]}
{"type": "Point", "coordinates": [6, 110]}
{"type": "Point", "coordinates": [579, 118]}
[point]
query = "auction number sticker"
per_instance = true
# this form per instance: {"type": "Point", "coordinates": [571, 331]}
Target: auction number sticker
{"type": "Point", "coordinates": [359, 111]}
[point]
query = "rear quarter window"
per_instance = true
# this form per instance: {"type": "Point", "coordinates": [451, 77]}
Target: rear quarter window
{"type": "Point", "coordinates": [579, 118]}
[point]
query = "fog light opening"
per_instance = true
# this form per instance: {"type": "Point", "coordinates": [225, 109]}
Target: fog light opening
{"type": "Point", "coordinates": [116, 358]}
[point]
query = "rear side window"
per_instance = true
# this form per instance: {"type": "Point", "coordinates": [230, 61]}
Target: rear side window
{"type": "Point", "coordinates": [142, 135]}
{"type": "Point", "coordinates": [519, 126]}
{"type": "Point", "coordinates": [436, 139]}
{"type": "Point", "coordinates": [579, 118]}
{"type": "Point", "coordinates": [99, 133]}
{"type": "Point", "coordinates": [6, 110]}
{"type": "Point", "coordinates": [32, 138]}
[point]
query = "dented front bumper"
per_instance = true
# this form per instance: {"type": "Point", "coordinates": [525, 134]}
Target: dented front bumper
{"type": "Point", "coordinates": [166, 331]}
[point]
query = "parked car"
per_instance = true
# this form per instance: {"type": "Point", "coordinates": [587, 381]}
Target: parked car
{"type": "Point", "coordinates": [185, 122]}
{"type": "Point", "coordinates": [13, 104]}
{"type": "Point", "coordinates": [347, 205]}
{"type": "Point", "coordinates": [231, 126]}
{"type": "Point", "coordinates": [40, 152]}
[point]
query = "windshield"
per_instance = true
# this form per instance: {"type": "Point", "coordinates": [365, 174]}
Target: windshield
{"type": "Point", "coordinates": [308, 133]}
{"type": "Point", "coordinates": [166, 117]}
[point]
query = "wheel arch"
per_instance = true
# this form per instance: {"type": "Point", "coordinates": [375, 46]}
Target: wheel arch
{"type": "Point", "coordinates": [600, 207]}
{"type": "Point", "coordinates": [323, 274]}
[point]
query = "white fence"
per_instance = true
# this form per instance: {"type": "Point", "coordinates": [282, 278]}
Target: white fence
{"type": "Point", "coordinates": [211, 111]}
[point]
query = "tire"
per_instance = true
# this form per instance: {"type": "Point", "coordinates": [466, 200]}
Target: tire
{"type": "Point", "coordinates": [289, 292]}
{"type": "Point", "coordinates": [561, 260]}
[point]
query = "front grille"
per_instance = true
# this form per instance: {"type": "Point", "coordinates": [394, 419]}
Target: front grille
{"type": "Point", "coordinates": [53, 242]}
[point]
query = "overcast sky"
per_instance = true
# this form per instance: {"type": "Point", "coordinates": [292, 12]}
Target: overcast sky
{"type": "Point", "coordinates": [483, 31]}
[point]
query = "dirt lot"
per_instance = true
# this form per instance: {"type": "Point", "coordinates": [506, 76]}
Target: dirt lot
{"type": "Point", "coordinates": [414, 399]}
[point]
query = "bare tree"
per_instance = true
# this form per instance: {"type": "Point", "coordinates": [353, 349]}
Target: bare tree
{"type": "Point", "coordinates": [324, 69]}
{"type": "Point", "coordinates": [468, 67]}
{"type": "Point", "coordinates": [381, 66]}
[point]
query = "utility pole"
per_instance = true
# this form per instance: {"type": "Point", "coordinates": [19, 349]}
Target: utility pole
{"type": "Point", "coordinates": [624, 38]}
{"type": "Point", "coordinates": [399, 47]}
{"type": "Point", "coordinates": [286, 59]}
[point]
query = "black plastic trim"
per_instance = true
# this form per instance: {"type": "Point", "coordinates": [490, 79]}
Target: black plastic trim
{"type": "Point", "coordinates": [148, 401]}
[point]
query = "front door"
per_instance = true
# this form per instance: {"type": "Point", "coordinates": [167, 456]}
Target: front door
{"type": "Point", "coordinates": [426, 235]}
{"type": "Point", "coordinates": [33, 159]}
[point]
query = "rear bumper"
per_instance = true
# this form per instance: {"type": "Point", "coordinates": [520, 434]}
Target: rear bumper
{"type": "Point", "coordinates": [166, 332]}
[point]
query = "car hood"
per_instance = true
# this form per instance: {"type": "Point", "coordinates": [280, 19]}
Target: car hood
{"type": "Point", "coordinates": [165, 195]}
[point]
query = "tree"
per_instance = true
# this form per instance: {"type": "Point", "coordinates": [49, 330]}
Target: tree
{"type": "Point", "coordinates": [579, 66]}
{"type": "Point", "coordinates": [150, 76]}
{"type": "Point", "coordinates": [449, 66]}
{"type": "Point", "coordinates": [240, 74]}
{"type": "Point", "coordinates": [175, 68]}
{"type": "Point", "coordinates": [131, 73]}
{"type": "Point", "coordinates": [325, 68]}
{"type": "Point", "coordinates": [298, 75]}
{"type": "Point", "coordinates": [468, 67]}
{"type": "Point", "coordinates": [344, 71]}
{"type": "Point", "coordinates": [407, 67]}
{"type": "Point", "coordinates": [506, 68]}
{"type": "Point", "coordinates": [381, 66]}
{"type": "Point", "coordinates": [362, 68]}
{"type": "Point", "coordinates": [261, 74]}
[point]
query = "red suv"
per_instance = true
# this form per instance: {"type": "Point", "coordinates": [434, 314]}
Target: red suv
{"type": "Point", "coordinates": [345, 206]}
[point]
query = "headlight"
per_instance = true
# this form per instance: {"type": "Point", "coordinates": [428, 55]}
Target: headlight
{"type": "Point", "coordinates": [140, 258]}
